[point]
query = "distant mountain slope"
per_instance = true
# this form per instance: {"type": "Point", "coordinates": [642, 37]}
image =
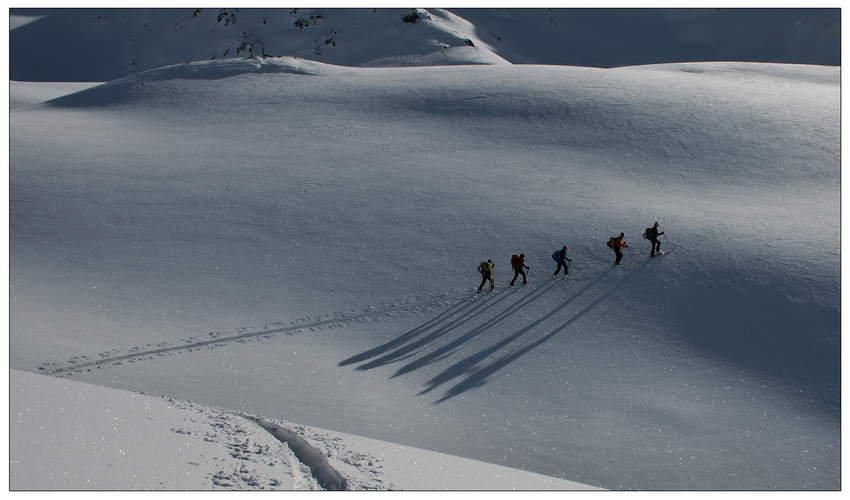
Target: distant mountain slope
{"type": "Point", "coordinates": [106, 44]}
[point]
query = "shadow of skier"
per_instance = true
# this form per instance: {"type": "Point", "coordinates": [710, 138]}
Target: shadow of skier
{"type": "Point", "coordinates": [479, 377]}
{"type": "Point", "coordinates": [469, 308]}
{"type": "Point", "coordinates": [449, 348]}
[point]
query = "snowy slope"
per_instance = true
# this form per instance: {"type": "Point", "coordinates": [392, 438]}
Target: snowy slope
{"type": "Point", "coordinates": [104, 44]}
{"type": "Point", "coordinates": [137, 441]}
{"type": "Point", "coordinates": [295, 240]}
{"type": "Point", "coordinates": [71, 436]}
{"type": "Point", "coordinates": [251, 202]}
{"type": "Point", "coordinates": [23, 94]}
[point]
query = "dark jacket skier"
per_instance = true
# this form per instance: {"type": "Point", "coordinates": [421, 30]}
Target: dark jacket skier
{"type": "Point", "coordinates": [486, 269]}
{"type": "Point", "coordinates": [653, 238]}
{"type": "Point", "coordinates": [561, 258]}
{"type": "Point", "coordinates": [518, 263]}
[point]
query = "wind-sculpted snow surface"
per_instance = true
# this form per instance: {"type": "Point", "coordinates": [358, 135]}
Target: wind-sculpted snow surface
{"type": "Point", "coordinates": [193, 236]}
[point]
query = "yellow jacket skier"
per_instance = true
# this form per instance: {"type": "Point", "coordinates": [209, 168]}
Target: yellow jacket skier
{"type": "Point", "coordinates": [486, 270]}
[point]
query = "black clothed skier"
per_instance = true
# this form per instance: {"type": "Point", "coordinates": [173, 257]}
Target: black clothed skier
{"type": "Point", "coordinates": [653, 238]}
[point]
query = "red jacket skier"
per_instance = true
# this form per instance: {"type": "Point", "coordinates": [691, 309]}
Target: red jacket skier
{"type": "Point", "coordinates": [618, 244]}
{"type": "Point", "coordinates": [517, 263]}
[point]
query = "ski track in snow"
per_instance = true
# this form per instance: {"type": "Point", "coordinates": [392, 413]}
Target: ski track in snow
{"type": "Point", "coordinates": [327, 476]}
{"type": "Point", "coordinates": [312, 449]}
{"type": "Point", "coordinates": [240, 440]}
{"type": "Point", "coordinates": [117, 357]}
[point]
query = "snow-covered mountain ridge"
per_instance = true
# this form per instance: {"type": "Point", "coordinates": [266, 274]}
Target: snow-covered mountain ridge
{"type": "Point", "coordinates": [105, 44]}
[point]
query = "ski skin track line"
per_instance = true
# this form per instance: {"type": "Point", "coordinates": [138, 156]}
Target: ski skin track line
{"type": "Point", "coordinates": [292, 328]}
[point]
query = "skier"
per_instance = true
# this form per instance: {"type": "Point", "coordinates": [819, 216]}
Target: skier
{"type": "Point", "coordinates": [486, 269]}
{"type": "Point", "coordinates": [517, 263]}
{"type": "Point", "coordinates": [618, 244]}
{"type": "Point", "coordinates": [560, 257]}
{"type": "Point", "coordinates": [652, 235]}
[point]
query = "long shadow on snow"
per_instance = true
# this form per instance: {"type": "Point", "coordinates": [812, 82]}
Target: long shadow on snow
{"type": "Point", "coordinates": [410, 335]}
{"type": "Point", "coordinates": [473, 307]}
{"type": "Point", "coordinates": [411, 349]}
{"type": "Point", "coordinates": [447, 349]}
{"type": "Point", "coordinates": [478, 377]}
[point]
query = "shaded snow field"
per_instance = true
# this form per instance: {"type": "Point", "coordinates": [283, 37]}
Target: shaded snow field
{"type": "Point", "coordinates": [258, 202]}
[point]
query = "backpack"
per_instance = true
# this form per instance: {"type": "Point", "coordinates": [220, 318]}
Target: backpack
{"type": "Point", "coordinates": [647, 233]}
{"type": "Point", "coordinates": [482, 268]}
{"type": "Point", "coordinates": [556, 255]}
{"type": "Point", "coordinates": [611, 242]}
{"type": "Point", "coordinates": [514, 261]}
